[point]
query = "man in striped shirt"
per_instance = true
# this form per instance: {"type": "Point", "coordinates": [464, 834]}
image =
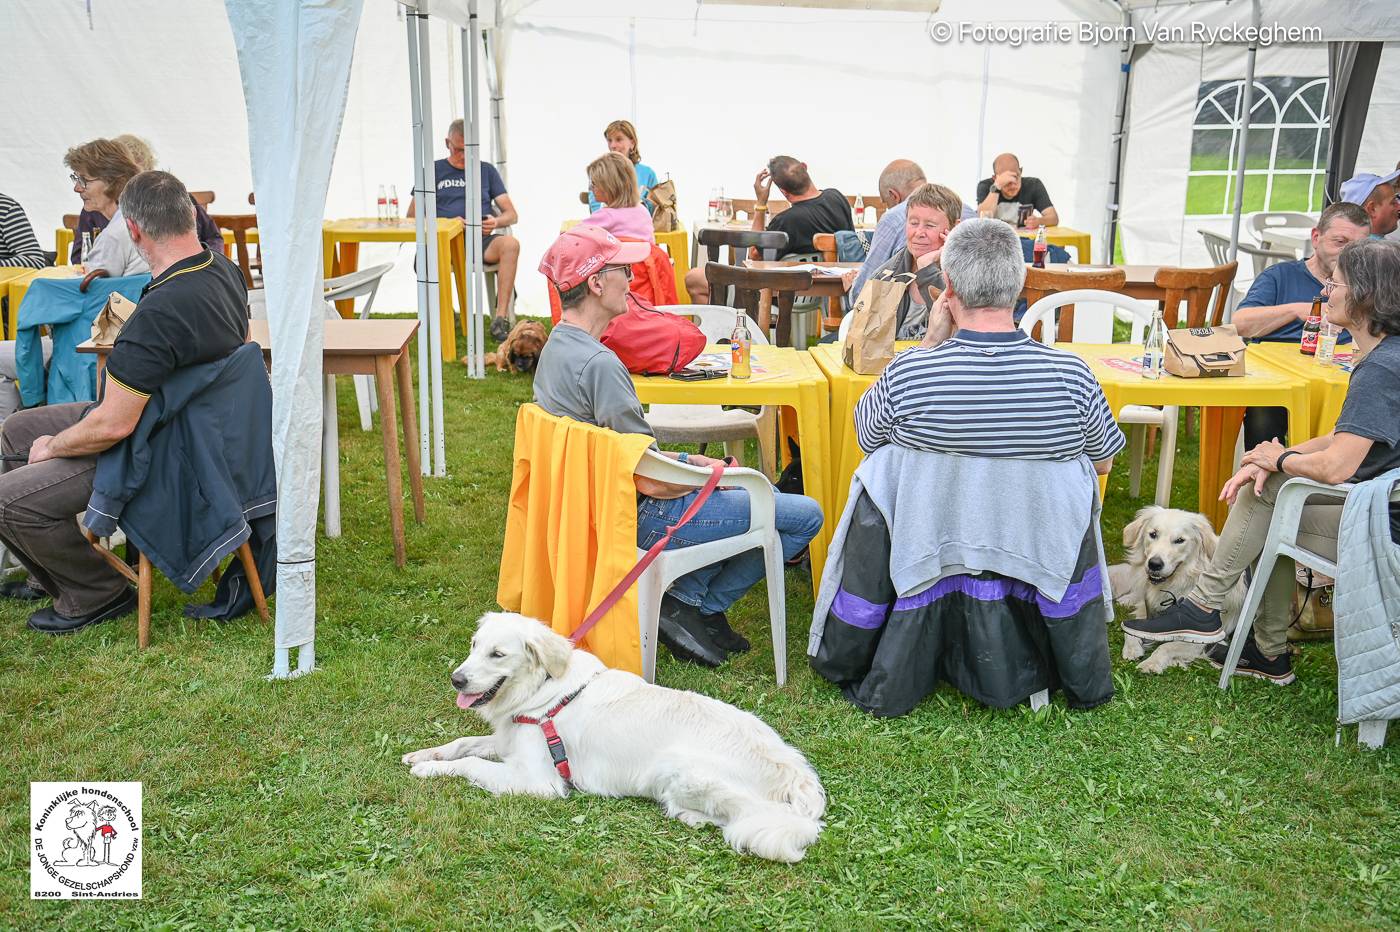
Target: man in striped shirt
{"type": "Point", "coordinates": [977, 385]}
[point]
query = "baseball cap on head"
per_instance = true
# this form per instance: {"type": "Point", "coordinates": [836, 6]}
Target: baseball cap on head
{"type": "Point", "coordinates": [1356, 190]}
{"type": "Point", "coordinates": [583, 251]}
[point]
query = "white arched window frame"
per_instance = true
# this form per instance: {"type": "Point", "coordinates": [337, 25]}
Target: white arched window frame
{"type": "Point", "coordinates": [1303, 115]}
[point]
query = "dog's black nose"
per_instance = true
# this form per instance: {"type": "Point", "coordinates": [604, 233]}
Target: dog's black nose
{"type": "Point", "coordinates": [459, 681]}
{"type": "Point", "coordinates": [1155, 564]}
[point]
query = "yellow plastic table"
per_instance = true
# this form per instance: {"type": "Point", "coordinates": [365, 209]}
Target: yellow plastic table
{"type": "Point", "coordinates": [1222, 400]}
{"type": "Point", "coordinates": [677, 245]}
{"type": "Point", "coordinates": [782, 377]}
{"type": "Point", "coordinates": [63, 242]}
{"type": "Point", "coordinates": [1327, 385]}
{"type": "Point", "coordinates": [341, 239]}
{"type": "Point", "coordinates": [16, 287]}
{"type": "Point", "coordinates": [1066, 236]}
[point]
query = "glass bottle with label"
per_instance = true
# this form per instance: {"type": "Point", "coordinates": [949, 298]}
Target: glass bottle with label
{"type": "Point", "coordinates": [1154, 347]}
{"type": "Point", "coordinates": [85, 249]}
{"type": "Point", "coordinates": [1311, 327]}
{"type": "Point", "coordinates": [1041, 248]}
{"type": "Point", "coordinates": [740, 348]}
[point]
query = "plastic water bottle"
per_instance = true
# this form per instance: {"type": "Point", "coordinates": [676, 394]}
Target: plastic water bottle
{"type": "Point", "coordinates": [713, 213]}
{"type": "Point", "coordinates": [1154, 347]}
{"type": "Point", "coordinates": [85, 248]}
{"type": "Point", "coordinates": [1326, 344]}
{"type": "Point", "coordinates": [740, 348]}
{"type": "Point", "coordinates": [393, 202]}
{"type": "Point", "coordinates": [383, 205]}
{"type": "Point", "coordinates": [860, 210]}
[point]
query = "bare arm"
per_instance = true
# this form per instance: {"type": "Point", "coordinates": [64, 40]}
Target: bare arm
{"type": "Point", "coordinates": [505, 218]}
{"type": "Point", "coordinates": [110, 422]}
{"type": "Point", "coordinates": [1104, 467]}
{"type": "Point", "coordinates": [1050, 217]}
{"type": "Point", "coordinates": [654, 488]}
{"type": "Point", "coordinates": [1262, 321]}
{"type": "Point", "coordinates": [1332, 462]}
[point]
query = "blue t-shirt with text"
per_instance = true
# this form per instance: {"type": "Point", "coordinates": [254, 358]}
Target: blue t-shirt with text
{"type": "Point", "coordinates": [452, 189]}
{"type": "Point", "coordinates": [1286, 283]}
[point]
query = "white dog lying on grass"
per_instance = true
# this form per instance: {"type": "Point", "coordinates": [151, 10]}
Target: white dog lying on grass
{"type": "Point", "coordinates": [704, 761]}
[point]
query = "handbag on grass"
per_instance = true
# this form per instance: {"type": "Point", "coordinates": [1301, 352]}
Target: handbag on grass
{"type": "Point", "coordinates": [1312, 606]}
{"type": "Point", "coordinates": [1204, 352]}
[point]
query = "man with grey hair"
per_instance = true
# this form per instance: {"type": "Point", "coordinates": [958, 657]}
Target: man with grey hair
{"type": "Point", "coordinates": [498, 248]}
{"type": "Point", "coordinates": [193, 311]}
{"type": "Point", "coordinates": [977, 385]}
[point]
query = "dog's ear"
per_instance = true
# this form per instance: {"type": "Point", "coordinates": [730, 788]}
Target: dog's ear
{"type": "Point", "coordinates": [551, 649]}
{"type": "Point", "coordinates": [1132, 533]}
{"type": "Point", "coordinates": [1205, 531]}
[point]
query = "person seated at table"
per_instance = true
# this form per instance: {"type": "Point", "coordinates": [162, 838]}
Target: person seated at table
{"type": "Point", "coordinates": [100, 170]}
{"type": "Point", "coordinates": [1365, 299]}
{"type": "Point", "coordinates": [18, 247]}
{"type": "Point", "coordinates": [1281, 298]}
{"type": "Point", "coordinates": [579, 377]}
{"type": "Point", "coordinates": [92, 222]}
{"type": "Point", "coordinates": [813, 211]}
{"type": "Point", "coordinates": [612, 181]}
{"type": "Point", "coordinates": [621, 137]}
{"type": "Point", "coordinates": [497, 213]}
{"type": "Point", "coordinates": [930, 212]}
{"type": "Point", "coordinates": [194, 310]}
{"type": "Point", "coordinates": [1376, 195]}
{"type": "Point", "coordinates": [1007, 194]}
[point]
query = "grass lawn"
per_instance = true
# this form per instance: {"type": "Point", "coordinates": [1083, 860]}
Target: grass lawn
{"type": "Point", "coordinates": [284, 805]}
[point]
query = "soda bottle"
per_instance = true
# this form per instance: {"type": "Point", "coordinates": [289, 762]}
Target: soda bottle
{"type": "Point", "coordinates": [740, 348]}
{"type": "Point", "coordinates": [393, 202]}
{"type": "Point", "coordinates": [713, 213]}
{"type": "Point", "coordinates": [860, 210]}
{"type": "Point", "coordinates": [1041, 249]}
{"type": "Point", "coordinates": [383, 205]}
{"type": "Point", "coordinates": [1154, 347]}
{"type": "Point", "coordinates": [1326, 344]}
{"type": "Point", "coordinates": [1308, 344]}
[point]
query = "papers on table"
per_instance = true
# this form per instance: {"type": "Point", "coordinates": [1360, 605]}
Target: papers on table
{"type": "Point", "coordinates": [835, 270]}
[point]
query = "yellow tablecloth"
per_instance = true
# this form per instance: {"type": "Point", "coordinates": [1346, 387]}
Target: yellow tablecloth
{"type": "Point", "coordinates": [784, 377]}
{"type": "Point", "coordinates": [677, 246]}
{"type": "Point", "coordinates": [1327, 385]}
{"type": "Point", "coordinates": [1067, 237]}
{"type": "Point", "coordinates": [17, 285]}
{"type": "Point", "coordinates": [341, 239]}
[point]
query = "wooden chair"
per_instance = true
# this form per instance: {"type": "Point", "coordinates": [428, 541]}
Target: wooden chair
{"type": "Point", "coordinates": [141, 576]}
{"type": "Point", "coordinates": [770, 244]}
{"type": "Point", "coordinates": [869, 201]}
{"type": "Point", "coordinates": [203, 198]}
{"type": "Point", "coordinates": [1196, 287]}
{"type": "Point", "coordinates": [745, 205]}
{"type": "Point", "coordinates": [239, 225]}
{"type": "Point", "coordinates": [825, 245]}
{"type": "Point", "coordinates": [748, 284]}
{"type": "Point", "coordinates": [1043, 282]}
{"type": "Point", "coordinates": [71, 222]}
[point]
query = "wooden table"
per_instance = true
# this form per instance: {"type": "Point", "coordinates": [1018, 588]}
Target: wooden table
{"type": "Point", "coordinates": [377, 347]}
{"type": "Point", "coordinates": [783, 377]}
{"type": "Point", "coordinates": [340, 244]}
{"type": "Point", "coordinates": [1140, 282]}
{"type": "Point", "coordinates": [1066, 237]}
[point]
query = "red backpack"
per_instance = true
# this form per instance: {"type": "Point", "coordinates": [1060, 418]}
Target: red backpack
{"type": "Point", "coordinates": [652, 342]}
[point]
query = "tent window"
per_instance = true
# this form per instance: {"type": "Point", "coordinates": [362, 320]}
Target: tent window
{"type": "Point", "coordinates": [1286, 155]}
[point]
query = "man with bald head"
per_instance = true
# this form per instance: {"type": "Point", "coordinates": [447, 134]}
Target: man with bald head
{"type": "Point", "coordinates": [1007, 192]}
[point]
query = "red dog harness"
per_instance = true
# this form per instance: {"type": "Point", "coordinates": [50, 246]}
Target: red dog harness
{"type": "Point", "coordinates": [551, 734]}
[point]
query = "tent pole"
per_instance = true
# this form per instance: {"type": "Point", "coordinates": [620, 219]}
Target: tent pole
{"type": "Point", "coordinates": [1115, 150]}
{"type": "Point", "coordinates": [1246, 102]}
{"type": "Point", "coordinates": [476, 337]}
{"type": "Point", "coordinates": [493, 87]}
{"type": "Point", "coordinates": [430, 241]}
{"type": "Point", "coordinates": [425, 212]}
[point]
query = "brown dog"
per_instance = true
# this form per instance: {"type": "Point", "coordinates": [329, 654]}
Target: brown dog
{"type": "Point", "coordinates": [520, 350]}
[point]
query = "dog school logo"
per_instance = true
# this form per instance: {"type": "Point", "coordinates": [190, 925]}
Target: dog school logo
{"type": "Point", "coordinates": [85, 841]}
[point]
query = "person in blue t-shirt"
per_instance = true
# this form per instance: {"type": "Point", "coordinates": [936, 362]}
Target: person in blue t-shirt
{"type": "Point", "coordinates": [497, 214]}
{"type": "Point", "coordinates": [621, 137]}
{"type": "Point", "coordinates": [1281, 297]}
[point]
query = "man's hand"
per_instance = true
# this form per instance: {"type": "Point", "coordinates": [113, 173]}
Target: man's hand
{"type": "Point", "coordinates": [762, 187]}
{"type": "Point", "coordinates": [940, 322]}
{"type": "Point", "coordinates": [39, 450]}
{"type": "Point", "coordinates": [1033, 222]}
{"type": "Point", "coordinates": [1003, 179]}
{"type": "Point", "coordinates": [488, 224]}
{"type": "Point", "coordinates": [848, 278]}
{"type": "Point", "coordinates": [1246, 475]}
{"type": "Point", "coordinates": [1265, 455]}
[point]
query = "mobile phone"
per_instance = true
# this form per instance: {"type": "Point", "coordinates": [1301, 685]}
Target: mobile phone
{"type": "Point", "coordinates": [697, 375]}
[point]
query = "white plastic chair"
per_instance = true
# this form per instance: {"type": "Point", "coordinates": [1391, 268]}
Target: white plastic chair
{"type": "Point", "coordinates": [1282, 542]}
{"type": "Point", "coordinates": [711, 423]}
{"type": "Point", "coordinates": [1219, 248]}
{"type": "Point", "coordinates": [673, 564]}
{"type": "Point", "coordinates": [1291, 221]}
{"type": "Point", "coordinates": [360, 283]}
{"type": "Point", "coordinates": [1137, 417]}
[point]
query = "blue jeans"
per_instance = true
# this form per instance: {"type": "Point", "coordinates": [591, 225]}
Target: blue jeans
{"type": "Point", "coordinates": [726, 514]}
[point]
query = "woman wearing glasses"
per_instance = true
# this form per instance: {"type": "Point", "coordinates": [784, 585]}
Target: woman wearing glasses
{"type": "Point", "coordinates": [1363, 295]}
{"type": "Point", "coordinates": [100, 170]}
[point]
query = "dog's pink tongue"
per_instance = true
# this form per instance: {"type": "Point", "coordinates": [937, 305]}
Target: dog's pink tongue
{"type": "Point", "coordinates": [465, 700]}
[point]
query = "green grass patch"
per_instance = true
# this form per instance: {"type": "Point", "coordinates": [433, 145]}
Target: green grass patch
{"type": "Point", "coordinates": [284, 805]}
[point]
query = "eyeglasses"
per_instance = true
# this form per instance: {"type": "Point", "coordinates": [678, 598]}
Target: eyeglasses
{"type": "Point", "coordinates": [79, 181]}
{"type": "Point", "coordinates": [626, 270]}
{"type": "Point", "coordinates": [1330, 286]}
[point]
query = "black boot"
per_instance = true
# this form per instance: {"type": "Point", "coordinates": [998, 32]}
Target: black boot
{"type": "Point", "coordinates": [49, 621]}
{"type": "Point", "coordinates": [683, 632]}
{"type": "Point", "coordinates": [717, 624]}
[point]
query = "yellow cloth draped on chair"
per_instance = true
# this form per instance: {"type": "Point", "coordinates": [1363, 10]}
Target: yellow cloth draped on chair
{"type": "Point", "coordinates": [571, 530]}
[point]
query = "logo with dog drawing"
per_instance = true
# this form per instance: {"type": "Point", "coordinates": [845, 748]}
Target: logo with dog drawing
{"type": "Point", "coordinates": [85, 841]}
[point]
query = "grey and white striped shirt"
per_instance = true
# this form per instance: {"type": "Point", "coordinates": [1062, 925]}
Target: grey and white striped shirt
{"type": "Point", "coordinates": [989, 394]}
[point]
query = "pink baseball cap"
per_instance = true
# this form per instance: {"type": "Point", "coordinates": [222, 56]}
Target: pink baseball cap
{"type": "Point", "coordinates": [583, 250]}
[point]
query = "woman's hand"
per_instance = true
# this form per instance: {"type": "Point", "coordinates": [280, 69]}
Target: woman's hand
{"type": "Point", "coordinates": [1246, 475]}
{"type": "Point", "coordinates": [940, 322]}
{"type": "Point", "coordinates": [1265, 455]}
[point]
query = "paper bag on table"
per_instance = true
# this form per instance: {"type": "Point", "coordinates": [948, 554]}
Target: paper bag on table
{"type": "Point", "coordinates": [1204, 352]}
{"type": "Point", "coordinates": [663, 196]}
{"type": "Point", "coordinates": [869, 344]}
{"type": "Point", "coordinates": [111, 318]}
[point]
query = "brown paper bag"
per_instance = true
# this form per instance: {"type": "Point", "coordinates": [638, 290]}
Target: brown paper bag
{"type": "Point", "coordinates": [1205, 352]}
{"type": "Point", "coordinates": [663, 196]}
{"type": "Point", "coordinates": [869, 343]}
{"type": "Point", "coordinates": [109, 321]}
